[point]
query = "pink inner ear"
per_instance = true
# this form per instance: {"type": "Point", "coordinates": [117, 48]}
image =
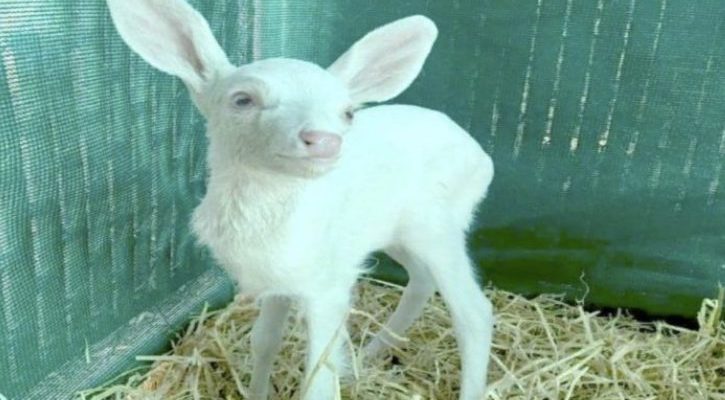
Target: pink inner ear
{"type": "Point", "coordinates": [386, 61]}
{"type": "Point", "coordinates": [170, 28]}
{"type": "Point", "coordinates": [387, 64]}
{"type": "Point", "coordinates": [171, 36]}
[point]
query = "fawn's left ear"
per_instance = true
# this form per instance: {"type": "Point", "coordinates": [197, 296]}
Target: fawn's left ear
{"type": "Point", "coordinates": [385, 62]}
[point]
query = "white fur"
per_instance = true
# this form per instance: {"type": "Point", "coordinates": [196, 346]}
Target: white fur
{"type": "Point", "coordinates": [289, 226]}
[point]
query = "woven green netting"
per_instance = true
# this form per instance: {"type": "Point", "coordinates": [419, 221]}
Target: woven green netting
{"type": "Point", "coordinates": [102, 162]}
{"type": "Point", "coordinates": [606, 120]}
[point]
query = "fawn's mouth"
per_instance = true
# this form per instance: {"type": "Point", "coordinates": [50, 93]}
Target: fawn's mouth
{"type": "Point", "coordinates": [310, 159]}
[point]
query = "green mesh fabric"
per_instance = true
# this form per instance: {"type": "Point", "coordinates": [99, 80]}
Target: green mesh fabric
{"type": "Point", "coordinates": [102, 162]}
{"type": "Point", "coordinates": [606, 121]}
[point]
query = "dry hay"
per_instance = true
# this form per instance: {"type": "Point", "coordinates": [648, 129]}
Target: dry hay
{"type": "Point", "coordinates": [543, 349]}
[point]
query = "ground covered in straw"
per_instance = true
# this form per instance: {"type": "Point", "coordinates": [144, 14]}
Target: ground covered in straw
{"type": "Point", "coordinates": [543, 349]}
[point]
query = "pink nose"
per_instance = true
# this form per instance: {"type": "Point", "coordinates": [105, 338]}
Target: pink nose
{"type": "Point", "coordinates": [321, 144]}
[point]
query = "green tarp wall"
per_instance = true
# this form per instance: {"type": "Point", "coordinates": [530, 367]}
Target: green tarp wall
{"type": "Point", "coordinates": [605, 120]}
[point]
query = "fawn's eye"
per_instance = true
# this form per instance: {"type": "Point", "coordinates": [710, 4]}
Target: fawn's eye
{"type": "Point", "coordinates": [242, 100]}
{"type": "Point", "coordinates": [349, 114]}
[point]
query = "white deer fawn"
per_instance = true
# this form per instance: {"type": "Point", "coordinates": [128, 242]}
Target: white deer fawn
{"type": "Point", "coordinates": [303, 186]}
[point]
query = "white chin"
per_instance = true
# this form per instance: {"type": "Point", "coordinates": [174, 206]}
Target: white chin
{"type": "Point", "coordinates": [307, 167]}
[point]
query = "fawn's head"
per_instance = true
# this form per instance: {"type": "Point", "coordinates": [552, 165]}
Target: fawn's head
{"type": "Point", "coordinates": [278, 114]}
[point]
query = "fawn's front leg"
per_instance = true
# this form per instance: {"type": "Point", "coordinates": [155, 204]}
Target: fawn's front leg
{"type": "Point", "coordinates": [326, 358]}
{"type": "Point", "coordinates": [266, 341]}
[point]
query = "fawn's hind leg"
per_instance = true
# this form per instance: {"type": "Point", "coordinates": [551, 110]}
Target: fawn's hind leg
{"type": "Point", "coordinates": [415, 296]}
{"type": "Point", "coordinates": [442, 250]}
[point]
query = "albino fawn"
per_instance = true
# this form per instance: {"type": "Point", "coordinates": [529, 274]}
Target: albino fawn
{"type": "Point", "coordinates": [303, 186]}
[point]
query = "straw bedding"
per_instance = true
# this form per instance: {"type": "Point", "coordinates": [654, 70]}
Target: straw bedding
{"type": "Point", "coordinates": [543, 349]}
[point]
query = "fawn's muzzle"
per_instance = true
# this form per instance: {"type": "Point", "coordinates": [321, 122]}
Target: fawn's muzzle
{"type": "Point", "coordinates": [320, 144]}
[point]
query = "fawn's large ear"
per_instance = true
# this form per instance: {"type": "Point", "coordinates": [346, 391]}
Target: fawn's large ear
{"type": "Point", "coordinates": [385, 62]}
{"type": "Point", "coordinates": [171, 36]}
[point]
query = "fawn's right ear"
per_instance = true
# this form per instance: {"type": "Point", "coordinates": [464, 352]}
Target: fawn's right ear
{"type": "Point", "coordinates": [171, 36]}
